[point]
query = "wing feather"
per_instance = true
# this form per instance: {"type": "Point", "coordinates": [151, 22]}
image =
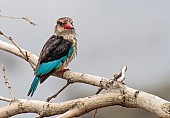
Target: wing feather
{"type": "Point", "coordinates": [55, 48]}
{"type": "Point", "coordinates": [54, 53]}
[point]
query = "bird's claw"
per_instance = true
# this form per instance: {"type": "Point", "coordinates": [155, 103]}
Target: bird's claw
{"type": "Point", "coordinates": [64, 70]}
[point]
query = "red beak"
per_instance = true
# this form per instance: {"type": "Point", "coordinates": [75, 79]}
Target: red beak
{"type": "Point", "coordinates": [68, 26]}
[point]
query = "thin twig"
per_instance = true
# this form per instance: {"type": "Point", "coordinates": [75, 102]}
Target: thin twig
{"type": "Point", "coordinates": [25, 55]}
{"type": "Point", "coordinates": [95, 112]}
{"type": "Point", "coordinates": [55, 95]}
{"type": "Point", "coordinates": [24, 18]}
{"type": "Point", "coordinates": [98, 91]}
{"type": "Point", "coordinates": [117, 76]}
{"type": "Point", "coordinates": [122, 77]}
{"type": "Point", "coordinates": [5, 99]}
{"type": "Point", "coordinates": [7, 83]}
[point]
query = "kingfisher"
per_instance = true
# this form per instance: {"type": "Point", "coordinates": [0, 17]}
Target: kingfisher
{"type": "Point", "coordinates": [56, 53]}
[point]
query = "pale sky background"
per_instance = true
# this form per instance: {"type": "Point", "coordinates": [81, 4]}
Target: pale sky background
{"type": "Point", "coordinates": [111, 34]}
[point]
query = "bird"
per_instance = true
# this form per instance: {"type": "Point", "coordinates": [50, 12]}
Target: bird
{"type": "Point", "coordinates": [56, 53]}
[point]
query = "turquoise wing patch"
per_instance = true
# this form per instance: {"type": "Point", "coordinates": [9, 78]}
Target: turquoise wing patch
{"type": "Point", "coordinates": [45, 68]}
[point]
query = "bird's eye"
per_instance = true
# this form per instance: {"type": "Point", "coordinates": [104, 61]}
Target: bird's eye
{"type": "Point", "coordinates": [72, 23]}
{"type": "Point", "coordinates": [59, 23]}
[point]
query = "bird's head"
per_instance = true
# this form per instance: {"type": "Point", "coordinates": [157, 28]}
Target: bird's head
{"type": "Point", "coordinates": [64, 24]}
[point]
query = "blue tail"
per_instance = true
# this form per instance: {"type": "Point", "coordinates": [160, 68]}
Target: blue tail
{"type": "Point", "coordinates": [33, 86]}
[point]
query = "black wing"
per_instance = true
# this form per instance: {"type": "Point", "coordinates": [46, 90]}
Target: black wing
{"type": "Point", "coordinates": [55, 48]}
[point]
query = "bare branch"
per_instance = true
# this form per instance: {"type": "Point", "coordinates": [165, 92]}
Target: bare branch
{"type": "Point", "coordinates": [7, 83]}
{"type": "Point", "coordinates": [5, 99]}
{"type": "Point", "coordinates": [70, 113]}
{"type": "Point", "coordinates": [122, 77]}
{"type": "Point", "coordinates": [15, 44]}
{"type": "Point", "coordinates": [13, 50]}
{"type": "Point", "coordinates": [118, 94]}
{"type": "Point", "coordinates": [95, 111]}
{"type": "Point", "coordinates": [99, 90]}
{"type": "Point", "coordinates": [121, 95]}
{"type": "Point", "coordinates": [24, 18]}
{"type": "Point", "coordinates": [55, 95]}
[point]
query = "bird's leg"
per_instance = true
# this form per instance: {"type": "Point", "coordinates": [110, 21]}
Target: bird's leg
{"type": "Point", "coordinates": [59, 73]}
{"type": "Point", "coordinates": [65, 69]}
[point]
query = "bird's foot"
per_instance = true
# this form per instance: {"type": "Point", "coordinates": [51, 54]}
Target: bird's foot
{"type": "Point", "coordinates": [64, 70]}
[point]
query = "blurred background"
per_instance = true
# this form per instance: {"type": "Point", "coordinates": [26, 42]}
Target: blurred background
{"type": "Point", "coordinates": [111, 34]}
